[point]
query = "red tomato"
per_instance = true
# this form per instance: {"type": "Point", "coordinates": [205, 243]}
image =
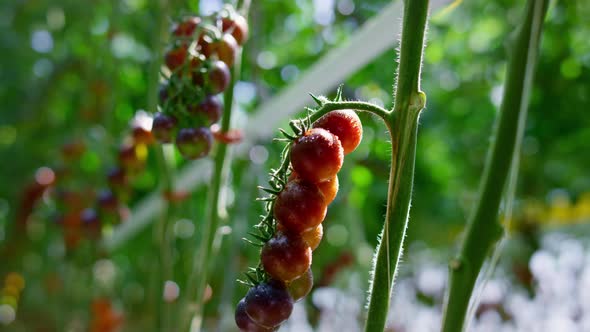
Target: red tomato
{"type": "Point", "coordinates": [346, 125]}
{"type": "Point", "coordinates": [317, 155]}
{"type": "Point", "coordinates": [300, 206]}
{"type": "Point", "coordinates": [237, 26]}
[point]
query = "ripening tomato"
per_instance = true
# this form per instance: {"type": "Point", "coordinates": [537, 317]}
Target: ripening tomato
{"type": "Point", "coordinates": [245, 323]}
{"type": "Point", "coordinates": [210, 107]}
{"type": "Point", "coordinates": [286, 256]}
{"type": "Point", "coordinates": [237, 26]}
{"type": "Point", "coordinates": [227, 49]}
{"type": "Point", "coordinates": [219, 77]}
{"type": "Point", "coordinates": [329, 188]}
{"type": "Point", "coordinates": [268, 304]}
{"type": "Point", "coordinates": [194, 143]}
{"type": "Point", "coordinates": [300, 287]}
{"type": "Point", "coordinates": [346, 125]}
{"type": "Point", "coordinates": [317, 155]}
{"type": "Point", "coordinates": [300, 206]}
{"type": "Point", "coordinates": [313, 237]}
{"type": "Point", "coordinates": [163, 127]}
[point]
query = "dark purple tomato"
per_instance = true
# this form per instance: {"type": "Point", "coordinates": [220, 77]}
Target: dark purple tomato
{"type": "Point", "coordinates": [210, 107]}
{"type": "Point", "coordinates": [269, 304]}
{"type": "Point", "coordinates": [300, 206]}
{"type": "Point", "coordinates": [163, 127]}
{"type": "Point", "coordinates": [244, 323]}
{"type": "Point", "coordinates": [89, 216]}
{"type": "Point", "coordinates": [286, 256]}
{"type": "Point", "coordinates": [194, 143]}
{"type": "Point", "coordinates": [107, 200]}
{"type": "Point", "coordinates": [219, 77]}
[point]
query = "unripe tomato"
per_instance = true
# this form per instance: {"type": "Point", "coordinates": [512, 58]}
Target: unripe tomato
{"type": "Point", "coordinates": [300, 287]}
{"type": "Point", "coordinates": [317, 155]}
{"type": "Point", "coordinates": [194, 143]}
{"type": "Point", "coordinates": [300, 206]}
{"type": "Point", "coordinates": [163, 127]}
{"type": "Point", "coordinates": [346, 125]}
{"type": "Point", "coordinates": [286, 256]}
{"type": "Point", "coordinates": [237, 26]}
{"type": "Point", "coordinates": [268, 304]}
{"type": "Point", "coordinates": [187, 27]}
{"type": "Point", "coordinates": [244, 322]}
{"type": "Point", "coordinates": [313, 237]}
{"type": "Point", "coordinates": [210, 107]}
{"type": "Point", "coordinates": [219, 77]}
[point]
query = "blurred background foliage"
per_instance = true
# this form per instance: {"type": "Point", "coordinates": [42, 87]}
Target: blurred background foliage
{"type": "Point", "coordinates": [76, 72]}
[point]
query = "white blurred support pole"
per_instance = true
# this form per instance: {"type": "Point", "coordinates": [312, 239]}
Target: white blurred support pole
{"type": "Point", "coordinates": [375, 37]}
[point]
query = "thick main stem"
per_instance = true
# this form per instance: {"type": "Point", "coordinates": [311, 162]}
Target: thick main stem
{"type": "Point", "coordinates": [403, 126]}
{"type": "Point", "coordinates": [484, 229]}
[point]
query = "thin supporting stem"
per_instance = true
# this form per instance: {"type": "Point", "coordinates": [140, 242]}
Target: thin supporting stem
{"type": "Point", "coordinates": [161, 246]}
{"type": "Point", "coordinates": [409, 101]}
{"type": "Point", "coordinates": [484, 229]}
{"type": "Point", "coordinates": [197, 281]}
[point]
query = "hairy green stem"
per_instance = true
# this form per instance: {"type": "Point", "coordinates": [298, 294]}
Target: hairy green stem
{"type": "Point", "coordinates": [197, 281]}
{"type": "Point", "coordinates": [330, 106]}
{"type": "Point", "coordinates": [409, 101]}
{"type": "Point", "coordinates": [484, 229]}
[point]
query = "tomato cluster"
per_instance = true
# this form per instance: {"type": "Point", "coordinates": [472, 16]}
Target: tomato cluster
{"type": "Point", "coordinates": [83, 211]}
{"type": "Point", "coordinates": [199, 58]}
{"type": "Point", "coordinates": [298, 211]}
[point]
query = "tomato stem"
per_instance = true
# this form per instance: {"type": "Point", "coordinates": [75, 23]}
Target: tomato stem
{"type": "Point", "coordinates": [197, 281]}
{"type": "Point", "coordinates": [484, 228]}
{"type": "Point", "coordinates": [403, 125]}
{"type": "Point", "coordinates": [330, 106]}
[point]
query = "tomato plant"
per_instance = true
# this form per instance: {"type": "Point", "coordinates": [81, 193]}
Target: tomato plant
{"type": "Point", "coordinates": [157, 122]}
